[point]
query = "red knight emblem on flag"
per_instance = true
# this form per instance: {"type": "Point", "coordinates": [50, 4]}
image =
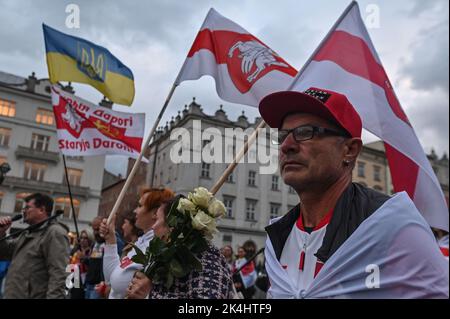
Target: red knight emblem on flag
{"type": "Point", "coordinates": [252, 61]}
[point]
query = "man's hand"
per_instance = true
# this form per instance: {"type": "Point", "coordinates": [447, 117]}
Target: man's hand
{"type": "Point", "coordinates": [108, 231]}
{"type": "Point", "coordinates": [5, 223]}
{"type": "Point", "coordinates": [140, 286]}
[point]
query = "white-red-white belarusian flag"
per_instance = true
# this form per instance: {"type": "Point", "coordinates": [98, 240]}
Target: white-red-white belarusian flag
{"type": "Point", "coordinates": [244, 68]}
{"type": "Point", "coordinates": [346, 62]}
{"type": "Point", "coordinates": [85, 129]}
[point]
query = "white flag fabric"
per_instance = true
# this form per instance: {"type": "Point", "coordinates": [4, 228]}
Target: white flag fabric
{"type": "Point", "coordinates": [392, 254]}
{"type": "Point", "coordinates": [347, 63]}
{"type": "Point", "coordinates": [85, 129]}
{"type": "Point", "coordinates": [244, 68]}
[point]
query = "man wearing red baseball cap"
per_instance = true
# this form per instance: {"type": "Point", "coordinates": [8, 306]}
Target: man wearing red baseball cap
{"type": "Point", "coordinates": [319, 138]}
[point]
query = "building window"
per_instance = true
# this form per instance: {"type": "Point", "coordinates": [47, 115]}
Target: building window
{"type": "Point", "coordinates": [228, 203]}
{"type": "Point", "coordinates": [274, 210]}
{"type": "Point", "coordinates": [40, 142]}
{"type": "Point", "coordinates": [5, 134]}
{"type": "Point", "coordinates": [74, 176]}
{"type": "Point", "coordinates": [7, 108]}
{"type": "Point", "coordinates": [377, 173]}
{"type": "Point", "coordinates": [230, 178]}
{"type": "Point", "coordinates": [34, 171]}
{"type": "Point", "coordinates": [227, 239]}
{"type": "Point", "coordinates": [250, 209]}
{"type": "Point", "coordinates": [63, 203]}
{"type": "Point", "coordinates": [275, 185]}
{"type": "Point", "coordinates": [169, 175]}
{"type": "Point", "coordinates": [251, 178]}
{"type": "Point", "coordinates": [361, 168]}
{"type": "Point", "coordinates": [19, 204]}
{"type": "Point", "coordinates": [205, 170]}
{"type": "Point", "coordinates": [44, 116]}
{"type": "Point", "coordinates": [231, 149]}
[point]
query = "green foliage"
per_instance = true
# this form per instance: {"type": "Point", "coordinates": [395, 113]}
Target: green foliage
{"type": "Point", "coordinates": [165, 261]}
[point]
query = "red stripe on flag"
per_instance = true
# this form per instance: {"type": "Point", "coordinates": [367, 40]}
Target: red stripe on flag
{"type": "Point", "coordinates": [301, 264]}
{"type": "Point", "coordinates": [444, 251]}
{"type": "Point", "coordinates": [403, 170]}
{"type": "Point", "coordinates": [319, 266]}
{"type": "Point", "coordinates": [218, 42]}
{"type": "Point", "coordinates": [353, 55]}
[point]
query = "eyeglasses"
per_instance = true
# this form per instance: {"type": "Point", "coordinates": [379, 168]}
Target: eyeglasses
{"type": "Point", "coordinates": [302, 133]}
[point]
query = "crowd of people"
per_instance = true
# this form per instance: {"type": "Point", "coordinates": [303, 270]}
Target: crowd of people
{"type": "Point", "coordinates": [320, 139]}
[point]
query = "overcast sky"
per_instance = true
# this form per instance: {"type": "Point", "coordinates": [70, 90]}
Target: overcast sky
{"type": "Point", "coordinates": [153, 37]}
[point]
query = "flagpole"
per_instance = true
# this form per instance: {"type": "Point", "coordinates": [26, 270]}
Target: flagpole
{"type": "Point", "coordinates": [138, 160]}
{"type": "Point", "coordinates": [237, 158]}
{"type": "Point", "coordinates": [71, 199]}
{"type": "Point", "coordinates": [346, 11]}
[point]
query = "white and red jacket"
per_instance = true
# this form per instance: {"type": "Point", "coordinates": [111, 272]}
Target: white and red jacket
{"type": "Point", "coordinates": [119, 272]}
{"type": "Point", "coordinates": [374, 246]}
{"type": "Point", "coordinates": [298, 256]}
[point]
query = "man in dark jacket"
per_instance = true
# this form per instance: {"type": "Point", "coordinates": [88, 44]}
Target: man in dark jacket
{"type": "Point", "coordinates": [319, 133]}
{"type": "Point", "coordinates": [39, 256]}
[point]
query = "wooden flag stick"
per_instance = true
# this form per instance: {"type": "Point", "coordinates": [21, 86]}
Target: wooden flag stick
{"type": "Point", "coordinates": [138, 160]}
{"type": "Point", "coordinates": [238, 157]}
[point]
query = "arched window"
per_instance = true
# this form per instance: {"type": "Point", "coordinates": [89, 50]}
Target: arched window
{"type": "Point", "coordinates": [63, 203]}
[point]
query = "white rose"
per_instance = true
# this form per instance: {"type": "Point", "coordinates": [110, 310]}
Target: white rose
{"type": "Point", "coordinates": [200, 197]}
{"type": "Point", "coordinates": [203, 221]}
{"type": "Point", "coordinates": [216, 208]}
{"type": "Point", "coordinates": [185, 205]}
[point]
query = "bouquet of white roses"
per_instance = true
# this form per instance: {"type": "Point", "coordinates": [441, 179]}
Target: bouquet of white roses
{"type": "Point", "coordinates": [193, 223]}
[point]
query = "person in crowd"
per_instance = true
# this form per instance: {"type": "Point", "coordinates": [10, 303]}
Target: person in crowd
{"type": "Point", "coordinates": [319, 136]}
{"type": "Point", "coordinates": [130, 232]}
{"type": "Point", "coordinates": [212, 282]}
{"type": "Point", "coordinates": [244, 274]}
{"type": "Point", "coordinates": [81, 251]}
{"type": "Point", "coordinates": [94, 263]}
{"type": "Point", "coordinates": [227, 252]}
{"type": "Point", "coordinates": [4, 264]}
{"type": "Point", "coordinates": [119, 271]}
{"type": "Point", "coordinates": [38, 256]}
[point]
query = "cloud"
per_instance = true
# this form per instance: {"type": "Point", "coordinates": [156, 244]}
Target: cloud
{"type": "Point", "coordinates": [153, 38]}
{"type": "Point", "coordinates": [428, 67]}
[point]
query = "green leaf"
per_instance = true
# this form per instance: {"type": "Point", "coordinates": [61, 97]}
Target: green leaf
{"type": "Point", "coordinates": [156, 245]}
{"type": "Point", "coordinates": [140, 257]}
{"type": "Point", "coordinates": [169, 281]}
{"type": "Point", "coordinates": [176, 268]}
{"type": "Point", "coordinates": [189, 258]}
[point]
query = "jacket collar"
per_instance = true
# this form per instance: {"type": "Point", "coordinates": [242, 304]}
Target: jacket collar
{"type": "Point", "coordinates": [354, 205]}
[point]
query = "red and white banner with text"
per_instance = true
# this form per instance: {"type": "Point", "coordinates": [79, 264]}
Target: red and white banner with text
{"type": "Point", "coordinates": [85, 129]}
{"type": "Point", "coordinates": [244, 68]}
{"type": "Point", "coordinates": [347, 63]}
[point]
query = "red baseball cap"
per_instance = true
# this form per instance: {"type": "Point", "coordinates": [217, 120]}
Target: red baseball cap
{"type": "Point", "coordinates": [326, 104]}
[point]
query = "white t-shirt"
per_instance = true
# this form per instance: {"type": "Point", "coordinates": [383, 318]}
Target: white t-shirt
{"type": "Point", "coordinates": [118, 273]}
{"type": "Point", "coordinates": [298, 257]}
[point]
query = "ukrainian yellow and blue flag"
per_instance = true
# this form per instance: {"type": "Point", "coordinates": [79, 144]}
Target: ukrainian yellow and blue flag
{"type": "Point", "coordinates": [74, 59]}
